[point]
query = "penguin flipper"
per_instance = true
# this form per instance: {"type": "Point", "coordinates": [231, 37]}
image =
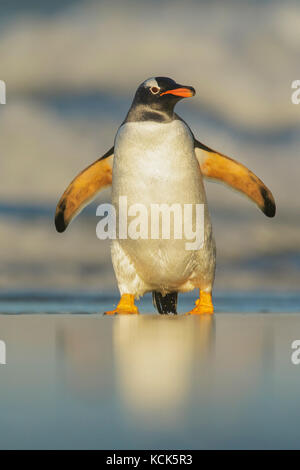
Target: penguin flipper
{"type": "Point", "coordinates": [218, 167]}
{"type": "Point", "coordinates": [83, 189]}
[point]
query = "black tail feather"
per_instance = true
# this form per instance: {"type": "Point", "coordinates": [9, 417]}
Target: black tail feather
{"type": "Point", "coordinates": [165, 304]}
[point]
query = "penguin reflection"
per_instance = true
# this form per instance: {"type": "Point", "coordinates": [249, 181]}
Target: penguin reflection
{"type": "Point", "coordinates": [152, 362]}
{"type": "Point", "coordinates": [158, 365]}
{"type": "Point", "coordinates": [157, 361]}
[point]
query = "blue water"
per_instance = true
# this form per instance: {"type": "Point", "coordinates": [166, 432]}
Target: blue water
{"type": "Point", "coordinates": [57, 302]}
{"type": "Point", "coordinates": [87, 381]}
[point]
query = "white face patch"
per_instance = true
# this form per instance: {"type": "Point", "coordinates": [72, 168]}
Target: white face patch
{"type": "Point", "coordinates": [150, 82]}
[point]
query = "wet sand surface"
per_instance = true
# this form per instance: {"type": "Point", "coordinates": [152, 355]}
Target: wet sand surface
{"type": "Point", "coordinates": [85, 380]}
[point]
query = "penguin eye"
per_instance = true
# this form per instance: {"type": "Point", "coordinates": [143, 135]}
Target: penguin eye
{"type": "Point", "coordinates": [154, 90]}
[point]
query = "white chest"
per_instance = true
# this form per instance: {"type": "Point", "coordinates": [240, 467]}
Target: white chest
{"type": "Point", "coordinates": [156, 163]}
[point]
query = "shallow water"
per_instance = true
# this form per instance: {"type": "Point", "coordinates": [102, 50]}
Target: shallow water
{"type": "Point", "coordinates": [76, 302]}
{"type": "Point", "coordinates": [148, 381]}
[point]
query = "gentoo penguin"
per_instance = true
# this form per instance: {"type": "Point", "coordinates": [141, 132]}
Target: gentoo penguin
{"type": "Point", "coordinates": [157, 159]}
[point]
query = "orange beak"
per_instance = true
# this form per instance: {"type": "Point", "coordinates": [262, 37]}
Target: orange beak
{"type": "Point", "coordinates": [183, 92]}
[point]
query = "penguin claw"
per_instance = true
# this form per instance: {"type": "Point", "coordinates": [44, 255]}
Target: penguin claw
{"type": "Point", "coordinates": [118, 311]}
{"type": "Point", "coordinates": [196, 311]}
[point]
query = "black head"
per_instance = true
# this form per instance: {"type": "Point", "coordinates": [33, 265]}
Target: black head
{"type": "Point", "coordinates": [155, 99]}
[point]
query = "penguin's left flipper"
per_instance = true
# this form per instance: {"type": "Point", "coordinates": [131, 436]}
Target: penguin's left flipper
{"type": "Point", "coordinates": [83, 189]}
{"type": "Point", "coordinates": [218, 167]}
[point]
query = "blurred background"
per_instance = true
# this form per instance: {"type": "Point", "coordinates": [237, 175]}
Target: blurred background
{"type": "Point", "coordinates": [71, 69]}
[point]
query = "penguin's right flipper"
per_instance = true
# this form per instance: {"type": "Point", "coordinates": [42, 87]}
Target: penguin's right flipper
{"type": "Point", "coordinates": [83, 189]}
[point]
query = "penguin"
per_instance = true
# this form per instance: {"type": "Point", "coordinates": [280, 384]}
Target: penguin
{"type": "Point", "coordinates": [157, 159]}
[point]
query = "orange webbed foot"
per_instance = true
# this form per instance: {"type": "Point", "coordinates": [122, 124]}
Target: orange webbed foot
{"type": "Point", "coordinates": [126, 306]}
{"type": "Point", "coordinates": [203, 305]}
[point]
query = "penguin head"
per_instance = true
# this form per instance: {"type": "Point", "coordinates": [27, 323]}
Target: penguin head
{"type": "Point", "coordinates": [156, 97]}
